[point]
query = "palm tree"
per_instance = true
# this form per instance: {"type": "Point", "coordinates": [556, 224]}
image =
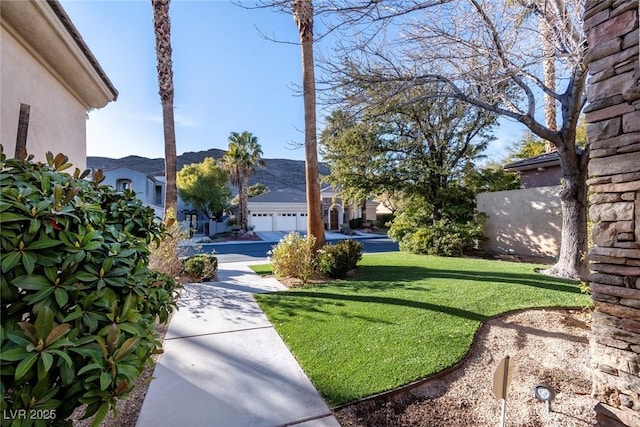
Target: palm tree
{"type": "Point", "coordinates": [162, 29]}
{"type": "Point", "coordinates": [240, 161]}
{"type": "Point", "coordinates": [303, 17]}
{"type": "Point", "coordinates": [548, 45]}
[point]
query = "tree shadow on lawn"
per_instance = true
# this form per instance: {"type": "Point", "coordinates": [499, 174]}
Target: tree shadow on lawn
{"type": "Point", "coordinates": [371, 281]}
{"type": "Point", "coordinates": [288, 305]}
{"type": "Point", "coordinates": [308, 302]}
{"type": "Point", "coordinates": [383, 278]}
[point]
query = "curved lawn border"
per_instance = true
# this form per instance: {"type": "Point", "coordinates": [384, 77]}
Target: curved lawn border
{"type": "Point", "coordinates": [417, 383]}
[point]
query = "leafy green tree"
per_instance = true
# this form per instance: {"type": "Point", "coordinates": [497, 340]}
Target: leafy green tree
{"type": "Point", "coordinates": [240, 161]}
{"type": "Point", "coordinates": [529, 146]}
{"type": "Point", "coordinates": [419, 148]}
{"type": "Point", "coordinates": [205, 187]}
{"type": "Point", "coordinates": [491, 177]}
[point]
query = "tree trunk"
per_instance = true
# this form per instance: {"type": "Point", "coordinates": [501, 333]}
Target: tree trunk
{"type": "Point", "coordinates": [171, 190]}
{"type": "Point", "coordinates": [162, 29]}
{"type": "Point", "coordinates": [23, 128]}
{"type": "Point", "coordinates": [303, 16]}
{"type": "Point", "coordinates": [549, 75]}
{"type": "Point", "coordinates": [572, 262]}
{"type": "Point", "coordinates": [242, 209]}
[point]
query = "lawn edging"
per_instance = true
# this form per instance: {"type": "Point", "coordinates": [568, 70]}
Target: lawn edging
{"type": "Point", "coordinates": [389, 394]}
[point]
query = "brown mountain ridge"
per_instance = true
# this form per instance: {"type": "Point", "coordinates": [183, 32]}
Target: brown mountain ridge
{"type": "Point", "coordinates": [277, 174]}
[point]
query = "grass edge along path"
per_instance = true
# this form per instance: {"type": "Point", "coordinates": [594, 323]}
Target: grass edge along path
{"type": "Point", "coordinates": [402, 318]}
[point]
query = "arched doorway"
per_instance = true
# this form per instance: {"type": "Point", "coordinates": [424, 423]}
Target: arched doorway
{"type": "Point", "coordinates": [336, 214]}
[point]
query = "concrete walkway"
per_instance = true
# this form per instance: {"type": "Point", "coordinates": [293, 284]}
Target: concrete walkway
{"type": "Point", "coordinates": [224, 365]}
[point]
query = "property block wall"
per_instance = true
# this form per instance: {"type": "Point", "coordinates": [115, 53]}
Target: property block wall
{"type": "Point", "coordinates": [613, 130]}
{"type": "Point", "coordinates": [525, 222]}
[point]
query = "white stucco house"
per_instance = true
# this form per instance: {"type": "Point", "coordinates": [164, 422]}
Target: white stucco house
{"type": "Point", "coordinates": [286, 210]}
{"type": "Point", "coordinates": [49, 80]}
{"type": "Point", "coordinates": [148, 188]}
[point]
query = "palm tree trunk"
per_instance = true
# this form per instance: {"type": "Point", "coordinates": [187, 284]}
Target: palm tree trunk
{"type": "Point", "coordinates": [162, 28]}
{"type": "Point", "coordinates": [303, 17]}
{"type": "Point", "coordinates": [242, 209]}
{"type": "Point", "coordinates": [549, 75]}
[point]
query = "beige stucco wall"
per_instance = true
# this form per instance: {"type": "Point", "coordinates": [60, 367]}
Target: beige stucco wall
{"type": "Point", "coordinates": [57, 121]}
{"type": "Point", "coordinates": [526, 222]}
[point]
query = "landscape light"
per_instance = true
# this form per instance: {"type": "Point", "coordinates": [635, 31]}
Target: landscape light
{"type": "Point", "coordinates": [544, 393]}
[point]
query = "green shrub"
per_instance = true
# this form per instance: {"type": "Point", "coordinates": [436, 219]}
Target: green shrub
{"type": "Point", "coordinates": [293, 256]}
{"type": "Point", "coordinates": [78, 301]}
{"type": "Point", "coordinates": [336, 260]}
{"type": "Point", "coordinates": [355, 223]}
{"type": "Point", "coordinates": [201, 267]}
{"type": "Point", "coordinates": [385, 220]}
{"type": "Point", "coordinates": [445, 238]}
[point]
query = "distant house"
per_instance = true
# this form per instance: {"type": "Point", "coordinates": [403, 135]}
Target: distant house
{"type": "Point", "coordinates": [335, 212]}
{"type": "Point", "coordinates": [286, 210]}
{"type": "Point", "coordinates": [150, 189]}
{"type": "Point", "coordinates": [283, 210]}
{"type": "Point", "coordinates": [539, 171]}
{"type": "Point", "coordinates": [49, 80]}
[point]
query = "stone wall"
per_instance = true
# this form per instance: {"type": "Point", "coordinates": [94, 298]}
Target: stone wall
{"type": "Point", "coordinates": [613, 117]}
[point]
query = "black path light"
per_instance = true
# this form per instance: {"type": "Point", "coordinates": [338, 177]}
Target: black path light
{"type": "Point", "coordinates": [544, 393]}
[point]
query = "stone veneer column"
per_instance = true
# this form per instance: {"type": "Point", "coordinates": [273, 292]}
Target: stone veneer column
{"type": "Point", "coordinates": [613, 130]}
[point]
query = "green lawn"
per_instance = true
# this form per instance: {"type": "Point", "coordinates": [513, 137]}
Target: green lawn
{"type": "Point", "coordinates": [402, 317]}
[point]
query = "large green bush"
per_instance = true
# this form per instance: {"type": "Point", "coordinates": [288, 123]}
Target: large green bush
{"type": "Point", "coordinates": [78, 301]}
{"type": "Point", "coordinates": [201, 267]}
{"type": "Point", "coordinates": [445, 238]}
{"type": "Point", "coordinates": [294, 256]}
{"type": "Point", "coordinates": [336, 260]}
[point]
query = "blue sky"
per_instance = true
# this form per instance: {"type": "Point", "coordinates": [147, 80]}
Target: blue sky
{"type": "Point", "coordinates": [227, 77]}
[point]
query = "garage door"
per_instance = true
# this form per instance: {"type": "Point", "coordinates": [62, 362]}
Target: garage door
{"type": "Point", "coordinates": [286, 222]}
{"type": "Point", "coordinates": [302, 222]}
{"type": "Point", "coordinates": [262, 221]}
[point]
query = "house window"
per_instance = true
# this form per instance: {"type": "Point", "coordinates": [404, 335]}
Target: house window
{"type": "Point", "coordinates": [124, 185]}
{"type": "Point", "coordinates": [158, 195]}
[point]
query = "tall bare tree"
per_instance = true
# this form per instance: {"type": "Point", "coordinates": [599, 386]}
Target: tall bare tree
{"type": "Point", "coordinates": [162, 29]}
{"type": "Point", "coordinates": [481, 44]}
{"type": "Point", "coordinates": [303, 17]}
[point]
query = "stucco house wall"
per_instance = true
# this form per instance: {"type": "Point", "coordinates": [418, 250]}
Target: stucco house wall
{"type": "Point", "coordinates": [526, 222]}
{"type": "Point", "coordinates": [46, 65]}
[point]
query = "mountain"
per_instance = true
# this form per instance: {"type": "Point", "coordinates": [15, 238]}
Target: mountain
{"type": "Point", "coordinates": [277, 174]}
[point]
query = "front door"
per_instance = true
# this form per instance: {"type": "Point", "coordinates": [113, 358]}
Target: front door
{"type": "Point", "coordinates": [333, 219]}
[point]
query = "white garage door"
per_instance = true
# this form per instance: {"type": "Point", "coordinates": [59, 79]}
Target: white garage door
{"type": "Point", "coordinates": [286, 222]}
{"type": "Point", "coordinates": [262, 221]}
{"type": "Point", "coordinates": [302, 222]}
